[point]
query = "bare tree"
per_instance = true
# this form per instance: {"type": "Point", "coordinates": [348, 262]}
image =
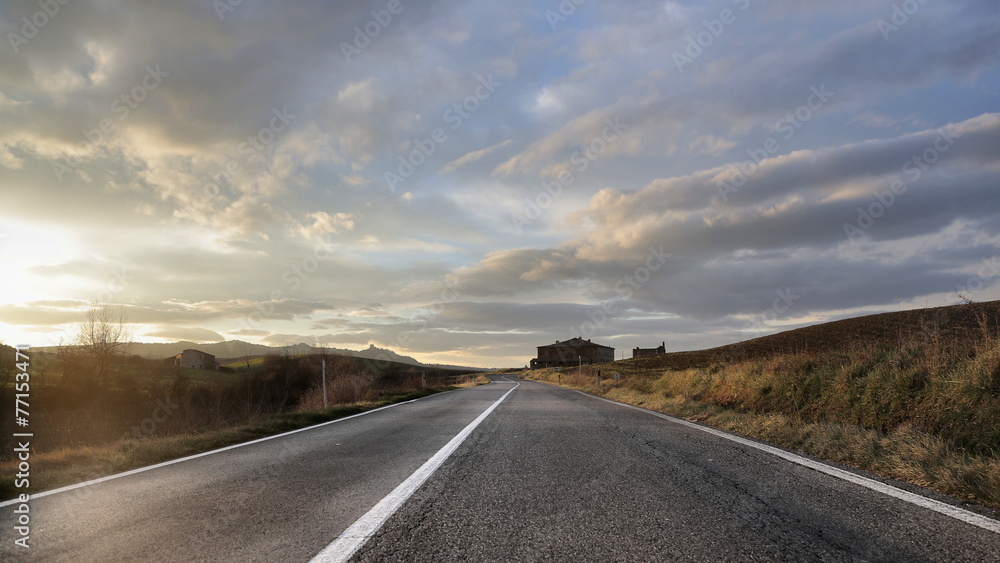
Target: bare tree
{"type": "Point", "coordinates": [285, 365]}
{"type": "Point", "coordinates": [246, 353]}
{"type": "Point", "coordinates": [104, 339]}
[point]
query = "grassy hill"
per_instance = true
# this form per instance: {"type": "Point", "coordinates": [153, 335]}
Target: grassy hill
{"type": "Point", "coordinates": [375, 366]}
{"type": "Point", "coordinates": [949, 326]}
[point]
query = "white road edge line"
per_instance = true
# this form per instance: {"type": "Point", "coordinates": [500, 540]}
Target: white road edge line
{"type": "Point", "coordinates": [203, 454]}
{"type": "Point", "coordinates": [355, 536]}
{"type": "Point", "coordinates": [955, 512]}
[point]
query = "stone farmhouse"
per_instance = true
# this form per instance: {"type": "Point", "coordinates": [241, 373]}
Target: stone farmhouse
{"type": "Point", "coordinates": [572, 352]}
{"type": "Point", "coordinates": [195, 359]}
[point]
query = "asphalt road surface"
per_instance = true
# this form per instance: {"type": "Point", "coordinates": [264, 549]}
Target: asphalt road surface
{"type": "Point", "coordinates": [548, 474]}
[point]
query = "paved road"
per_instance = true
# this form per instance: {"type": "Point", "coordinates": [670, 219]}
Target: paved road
{"type": "Point", "coordinates": [555, 475]}
{"type": "Point", "coordinates": [278, 500]}
{"type": "Point", "coordinates": [550, 474]}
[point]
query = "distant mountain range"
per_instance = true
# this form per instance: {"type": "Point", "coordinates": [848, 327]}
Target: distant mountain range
{"type": "Point", "coordinates": [236, 349]}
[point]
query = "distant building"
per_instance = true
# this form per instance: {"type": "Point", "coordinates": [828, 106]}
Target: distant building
{"type": "Point", "coordinates": [572, 352]}
{"type": "Point", "coordinates": [195, 359]}
{"type": "Point", "coordinates": [649, 352]}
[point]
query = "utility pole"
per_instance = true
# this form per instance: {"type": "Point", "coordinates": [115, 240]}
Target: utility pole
{"type": "Point", "coordinates": [324, 383]}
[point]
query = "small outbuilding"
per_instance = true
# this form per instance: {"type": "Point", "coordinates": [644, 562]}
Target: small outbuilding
{"type": "Point", "coordinates": [572, 352]}
{"type": "Point", "coordinates": [649, 352]}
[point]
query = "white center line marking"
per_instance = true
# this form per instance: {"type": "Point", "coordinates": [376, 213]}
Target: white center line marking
{"type": "Point", "coordinates": [349, 542]}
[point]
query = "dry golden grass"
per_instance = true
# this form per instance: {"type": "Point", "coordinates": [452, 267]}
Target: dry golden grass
{"type": "Point", "coordinates": [471, 380]}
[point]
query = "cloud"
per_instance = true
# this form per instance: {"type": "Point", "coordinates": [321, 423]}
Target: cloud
{"type": "Point", "coordinates": [210, 194]}
{"type": "Point", "coordinates": [248, 332]}
{"type": "Point", "coordinates": [198, 335]}
{"type": "Point", "coordinates": [326, 224]}
{"type": "Point", "coordinates": [732, 251]}
{"type": "Point", "coordinates": [472, 157]}
{"type": "Point", "coordinates": [710, 144]}
{"type": "Point", "coordinates": [781, 201]}
{"type": "Point", "coordinates": [289, 339]}
{"type": "Point", "coordinates": [602, 124]}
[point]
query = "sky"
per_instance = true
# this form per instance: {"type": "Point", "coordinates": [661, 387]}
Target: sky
{"type": "Point", "coordinates": [462, 182]}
